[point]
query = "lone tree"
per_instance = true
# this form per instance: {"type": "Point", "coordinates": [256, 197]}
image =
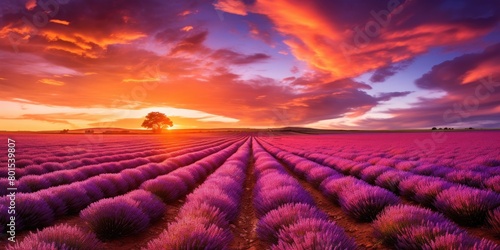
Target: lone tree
{"type": "Point", "coordinates": [157, 121]}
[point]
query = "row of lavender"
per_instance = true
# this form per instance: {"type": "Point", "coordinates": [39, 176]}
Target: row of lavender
{"type": "Point", "coordinates": [465, 205]}
{"type": "Point", "coordinates": [73, 146]}
{"type": "Point", "coordinates": [56, 147]}
{"type": "Point", "coordinates": [203, 221]}
{"type": "Point", "coordinates": [365, 202]}
{"type": "Point", "coordinates": [481, 148]}
{"type": "Point", "coordinates": [50, 163]}
{"type": "Point", "coordinates": [103, 155]}
{"type": "Point", "coordinates": [120, 216]}
{"type": "Point", "coordinates": [483, 175]}
{"type": "Point", "coordinates": [288, 217]}
{"type": "Point", "coordinates": [41, 208]}
{"type": "Point", "coordinates": [133, 212]}
{"type": "Point", "coordinates": [65, 175]}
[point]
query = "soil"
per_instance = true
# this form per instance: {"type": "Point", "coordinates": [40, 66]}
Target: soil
{"type": "Point", "coordinates": [361, 232]}
{"type": "Point", "coordinates": [243, 228]}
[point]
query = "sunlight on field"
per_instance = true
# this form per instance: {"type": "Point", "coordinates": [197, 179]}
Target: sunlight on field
{"type": "Point", "coordinates": [239, 190]}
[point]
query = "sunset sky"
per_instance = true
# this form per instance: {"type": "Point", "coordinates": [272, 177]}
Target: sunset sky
{"type": "Point", "coordinates": [339, 64]}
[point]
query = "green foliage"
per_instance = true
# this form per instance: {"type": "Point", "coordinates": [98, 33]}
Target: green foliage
{"type": "Point", "coordinates": [157, 122]}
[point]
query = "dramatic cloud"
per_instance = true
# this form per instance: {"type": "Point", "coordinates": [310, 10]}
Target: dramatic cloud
{"type": "Point", "coordinates": [347, 38]}
{"type": "Point", "coordinates": [232, 57]}
{"type": "Point", "coordinates": [468, 101]}
{"type": "Point", "coordinates": [381, 74]}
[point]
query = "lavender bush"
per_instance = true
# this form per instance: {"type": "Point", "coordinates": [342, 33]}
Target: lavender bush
{"type": "Point", "coordinates": [494, 220]}
{"type": "Point", "coordinates": [269, 226]}
{"type": "Point", "coordinates": [371, 173]}
{"type": "Point", "coordinates": [313, 233]}
{"type": "Point", "coordinates": [149, 203]}
{"type": "Point", "coordinates": [168, 188]}
{"type": "Point", "coordinates": [32, 212]}
{"type": "Point", "coordinates": [394, 219]}
{"type": "Point", "coordinates": [115, 217]}
{"type": "Point", "coordinates": [365, 202]}
{"type": "Point", "coordinates": [466, 206]}
{"type": "Point", "coordinates": [59, 237]}
{"type": "Point", "coordinates": [272, 199]}
{"type": "Point", "coordinates": [191, 235]}
{"type": "Point", "coordinates": [390, 180]}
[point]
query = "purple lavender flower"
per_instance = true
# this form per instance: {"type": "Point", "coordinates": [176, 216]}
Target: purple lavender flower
{"type": "Point", "coordinates": [73, 196]}
{"type": "Point", "coordinates": [92, 170]}
{"type": "Point", "coordinates": [120, 183]}
{"type": "Point", "coordinates": [390, 180]}
{"type": "Point", "coordinates": [22, 163]}
{"type": "Point", "coordinates": [272, 199]}
{"type": "Point", "coordinates": [92, 190]}
{"type": "Point", "coordinates": [407, 186]}
{"type": "Point", "coordinates": [364, 202]}
{"type": "Point", "coordinates": [415, 236]}
{"type": "Point", "coordinates": [168, 188]}
{"type": "Point", "coordinates": [115, 217]}
{"type": "Point", "coordinates": [150, 204]}
{"type": "Point", "coordinates": [59, 237]}
{"type": "Point", "coordinates": [313, 233]}
{"type": "Point", "coordinates": [187, 234]}
{"type": "Point", "coordinates": [493, 183]}
{"type": "Point", "coordinates": [4, 184]}
{"type": "Point", "coordinates": [494, 219]}
{"type": "Point", "coordinates": [274, 179]}
{"type": "Point", "coordinates": [55, 203]}
{"type": "Point", "coordinates": [34, 170]}
{"type": "Point", "coordinates": [35, 182]}
{"type": "Point", "coordinates": [371, 173]}
{"type": "Point", "coordinates": [304, 167]}
{"type": "Point", "coordinates": [32, 212]}
{"type": "Point", "coordinates": [316, 175]}
{"type": "Point", "coordinates": [425, 169]}
{"type": "Point", "coordinates": [334, 187]}
{"type": "Point", "coordinates": [185, 176]}
{"type": "Point", "coordinates": [427, 190]}
{"type": "Point", "coordinates": [356, 169]}
{"type": "Point", "coordinates": [393, 219]}
{"type": "Point", "coordinates": [33, 244]}
{"type": "Point", "coordinates": [203, 213]}
{"type": "Point", "coordinates": [135, 175]}
{"type": "Point", "coordinates": [270, 224]}
{"type": "Point", "coordinates": [52, 166]}
{"type": "Point", "coordinates": [485, 244]}
{"type": "Point", "coordinates": [217, 199]}
{"type": "Point", "coordinates": [467, 177]}
{"type": "Point", "coordinates": [450, 241]}
{"type": "Point", "coordinates": [406, 165]}
{"type": "Point", "coordinates": [106, 186]}
{"type": "Point", "coordinates": [465, 205]}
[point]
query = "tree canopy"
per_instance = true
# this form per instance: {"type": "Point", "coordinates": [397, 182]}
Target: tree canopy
{"type": "Point", "coordinates": [157, 122]}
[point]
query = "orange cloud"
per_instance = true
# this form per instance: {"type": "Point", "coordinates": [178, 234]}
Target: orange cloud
{"type": "Point", "coordinates": [481, 71]}
{"type": "Point", "coordinates": [185, 13]}
{"type": "Point", "coordinates": [236, 7]}
{"type": "Point", "coordinates": [347, 45]}
{"type": "Point", "coordinates": [59, 21]}
{"type": "Point", "coordinates": [187, 28]}
{"type": "Point", "coordinates": [141, 80]}
{"type": "Point", "coordinates": [51, 82]}
{"type": "Point", "coordinates": [30, 4]}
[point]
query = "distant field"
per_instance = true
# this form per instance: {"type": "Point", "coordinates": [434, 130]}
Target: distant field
{"type": "Point", "coordinates": [253, 190]}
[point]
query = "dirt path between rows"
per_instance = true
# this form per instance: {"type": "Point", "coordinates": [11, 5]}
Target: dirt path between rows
{"type": "Point", "coordinates": [361, 232]}
{"type": "Point", "coordinates": [243, 228]}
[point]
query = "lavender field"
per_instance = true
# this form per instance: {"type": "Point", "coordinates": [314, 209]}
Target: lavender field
{"type": "Point", "coordinates": [253, 191]}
